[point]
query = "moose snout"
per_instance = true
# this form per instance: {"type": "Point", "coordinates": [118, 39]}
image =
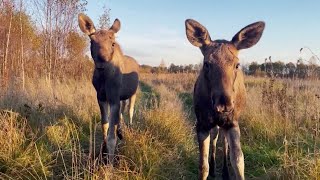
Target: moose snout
{"type": "Point", "coordinates": [223, 109]}
{"type": "Point", "coordinates": [223, 104]}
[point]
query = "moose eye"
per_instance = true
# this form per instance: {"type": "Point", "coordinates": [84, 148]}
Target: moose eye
{"type": "Point", "coordinates": [237, 66]}
{"type": "Point", "coordinates": [113, 44]}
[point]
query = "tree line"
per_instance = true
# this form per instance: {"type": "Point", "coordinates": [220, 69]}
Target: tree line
{"type": "Point", "coordinates": [190, 68]}
{"type": "Point", "coordinates": [300, 69]}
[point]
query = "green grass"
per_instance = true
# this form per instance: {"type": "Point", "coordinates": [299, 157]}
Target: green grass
{"type": "Point", "coordinates": [260, 158]}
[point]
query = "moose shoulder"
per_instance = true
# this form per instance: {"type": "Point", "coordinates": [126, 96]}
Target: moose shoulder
{"type": "Point", "coordinates": [219, 94]}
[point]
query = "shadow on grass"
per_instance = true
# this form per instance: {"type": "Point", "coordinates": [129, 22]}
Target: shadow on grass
{"type": "Point", "coordinates": [187, 100]}
{"type": "Point", "coordinates": [148, 97]}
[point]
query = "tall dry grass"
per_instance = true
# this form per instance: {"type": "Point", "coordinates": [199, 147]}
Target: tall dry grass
{"type": "Point", "coordinates": [282, 121]}
{"type": "Point", "coordinates": [53, 131]}
{"type": "Point", "coordinates": [181, 82]}
{"type": "Point", "coordinates": [280, 124]}
{"type": "Point", "coordinates": [54, 122]}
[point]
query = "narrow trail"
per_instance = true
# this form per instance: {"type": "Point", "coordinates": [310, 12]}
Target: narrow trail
{"type": "Point", "coordinates": [170, 153]}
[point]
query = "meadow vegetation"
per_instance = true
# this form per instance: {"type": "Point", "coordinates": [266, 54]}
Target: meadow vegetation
{"type": "Point", "coordinates": [52, 130]}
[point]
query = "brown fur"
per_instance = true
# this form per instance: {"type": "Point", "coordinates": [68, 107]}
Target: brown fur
{"type": "Point", "coordinates": [219, 94]}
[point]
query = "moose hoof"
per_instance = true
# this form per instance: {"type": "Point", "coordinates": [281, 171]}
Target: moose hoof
{"type": "Point", "coordinates": [225, 175]}
{"type": "Point", "coordinates": [212, 172]}
{"type": "Point", "coordinates": [104, 152]}
{"type": "Point", "coordinates": [212, 168]}
{"type": "Point", "coordinates": [119, 134]}
{"type": "Point", "coordinates": [104, 149]}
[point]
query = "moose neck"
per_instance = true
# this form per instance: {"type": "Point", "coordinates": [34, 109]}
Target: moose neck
{"type": "Point", "coordinates": [113, 68]}
{"type": "Point", "coordinates": [117, 57]}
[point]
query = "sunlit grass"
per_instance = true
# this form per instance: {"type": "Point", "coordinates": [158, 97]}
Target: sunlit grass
{"type": "Point", "coordinates": [53, 131]}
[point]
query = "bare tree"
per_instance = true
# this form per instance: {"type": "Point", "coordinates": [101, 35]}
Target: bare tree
{"type": "Point", "coordinates": [57, 18]}
{"type": "Point", "coordinates": [104, 18]}
{"type": "Point", "coordinates": [27, 49]}
{"type": "Point", "coordinates": [10, 7]}
{"type": "Point", "coordinates": [21, 49]}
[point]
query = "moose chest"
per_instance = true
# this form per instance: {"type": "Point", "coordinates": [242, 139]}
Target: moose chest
{"type": "Point", "coordinates": [113, 87]}
{"type": "Point", "coordinates": [207, 118]}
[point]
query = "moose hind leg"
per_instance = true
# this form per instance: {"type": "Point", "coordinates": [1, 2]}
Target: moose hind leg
{"type": "Point", "coordinates": [131, 107]}
{"type": "Point", "coordinates": [119, 129]}
{"type": "Point", "coordinates": [214, 138]}
{"type": "Point", "coordinates": [236, 154]}
{"type": "Point", "coordinates": [123, 107]}
{"type": "Point", "coordinates": [204, 143]}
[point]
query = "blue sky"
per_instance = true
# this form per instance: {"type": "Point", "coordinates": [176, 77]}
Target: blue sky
{"type": "Point", "coordinates": [154, 30]}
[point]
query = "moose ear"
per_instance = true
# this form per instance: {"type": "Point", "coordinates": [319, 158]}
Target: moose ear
{"type": "Point", "coordinates": [86, 25]}
{"type": "Point", "coordinates": [197, 34]}
{"type": "Point", "coordinates": [249, 35]}
{"type": "Point", "coordinates": [116, 26]}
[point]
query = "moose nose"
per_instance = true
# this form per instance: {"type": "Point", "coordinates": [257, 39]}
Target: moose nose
{"type": "Point", "coordinates": [224, 104]}
{"type": "Point", "coordinates": [223, 109]}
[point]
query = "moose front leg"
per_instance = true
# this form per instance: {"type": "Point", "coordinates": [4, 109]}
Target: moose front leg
{"type": "Point", "coordinates": [225, 169]}
{"type": "Point", "coordinates": [204, 143]}
{"type": "Point", "coordinates": [103, 105]}
{"type": "Point", "coordinates": [114, 122]}
{"type": "Point", "coordinates": [236, 154]}
{"type": "Point", "coordinates": [214, 136]}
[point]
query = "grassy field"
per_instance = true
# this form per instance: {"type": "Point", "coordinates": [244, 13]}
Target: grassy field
{"type": "Point", "coordinates": [52, 131]}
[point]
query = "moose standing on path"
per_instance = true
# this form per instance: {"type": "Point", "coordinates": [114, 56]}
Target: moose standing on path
{"type": "Point", "coordinates": [115, 79]}
{"type": "Point", "coordinates": [219, 94]}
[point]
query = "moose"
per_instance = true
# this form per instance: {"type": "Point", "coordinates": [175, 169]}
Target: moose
{"type": "Point", "coordinates": [220, 95]}
{"type": "Point", "coordinates": [115, 79]}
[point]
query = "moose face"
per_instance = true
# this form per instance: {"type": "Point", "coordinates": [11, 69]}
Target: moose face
{"type": "Point", "coordinates": [103, 42]}
{"type": "Point", "coordinates": [221, 63]}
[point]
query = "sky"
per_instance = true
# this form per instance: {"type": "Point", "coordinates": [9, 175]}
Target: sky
{"type": "Point", "coordinates": [155, 30]}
